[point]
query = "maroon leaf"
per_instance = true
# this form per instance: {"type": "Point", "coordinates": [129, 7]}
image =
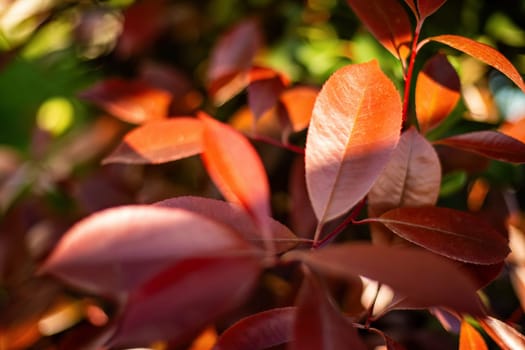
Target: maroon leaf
{"type": "Point", "coordinates": [159, 142]}
{"type": "Point", "coordinates": [390, 343]}
{"type": "Point", "coordinates": [259, 331]}
{"type": "Point", "coordinates": [319, 325]}
{"type": "Point", "coordinates": [264, 89]}
{"type": "Point", "coordinates": [183, 299]}
{"type": "Point", "coordinates": [354, 129]}
{"type": "Point", "coordinates": [437, 92]}
{"type": "Point", "coordinates": [234, 216]}
{"type": "Point", "coordinates": [455, 234]}
{"type": "Point", "coordinates": [504, 335]}
{"type": "Point", "coordinates": [491, 144]}
{"type": "Point", "coordinates": [483, 274]}
{"type": "Point", "coordinates": [117, 249]}
{"type": "Point", "coordinates": [424, 8]}
{"type": "Point", "coordinates": [426, 279]}
{"type": "Point", "coordinates": [470, 339]}
{"type": "Point", "coordinates": [132, 101]}
{"type": "Point", "coordinates": [302, 216]}
{"type": "Point", "coordinates": [482, 52]}
{"type": "Point", "coordinates": [388, 21]}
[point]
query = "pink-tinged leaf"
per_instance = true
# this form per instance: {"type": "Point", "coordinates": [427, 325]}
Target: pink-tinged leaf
{"type": "Point", "coordinates": [260, 331]}
{"type": "Point", "coordinates": [159, 142]}
{"type": "Point", "coordinates": [181, 300]}
{"type": "Point", "coordinates": [490, 144]}
{"type": "Point", "coordinates": [354, 129]}
{"type": "Point", "coordinates": [114, 250]}
{"type": "Point", "coordinates": [234, 216]}
{"type": "Point", "coordinates": [426, 279]}
{"type": "Point", "coordinates": [452, 233]}
{"type": "Point", "coordinates": [482, 52]}
{"type": "Point", "coordinates": [319, 325]}
{"type": "Point", "coordinates": [470, 339]}
{"type": "Point", "coordinates": [231, 60]}
{"type": "Point", "coordinates": [503, 334]}
{"type": "Point", "coordinates": [437, 92]}
{"type": "Point", "coordinates": [388, 21]}
{"type": "Point", "coordinates": [264, 89]}
{"type": "Point", "coordinates": [302, 216]}
{"type": "Point", "coordinates": [132, 101]}
{"type": "Point", "coordinates": [299, 103]}
{"type": "Point", "coordinates": [413, 7]}
{"type": "Point", "coordinates": [236, 169]}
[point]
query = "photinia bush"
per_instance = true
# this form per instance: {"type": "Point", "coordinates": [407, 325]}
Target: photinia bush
{"type": "Point", "coordinates": [175, 267]}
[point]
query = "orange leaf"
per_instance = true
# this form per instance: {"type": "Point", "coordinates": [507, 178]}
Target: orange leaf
{"type": "Point", "coordinates": [159, 142]}
{"type": "Point", "coordinates": [299, 103]}
{"type": "Point", "coordinates": [354, 128]}
{"type": "Point", "coordinates": [437, 92]}
{"type": "Point", "coordinates": [470, 339]}
{"type": "Point", "coordinates": [482, 52]}
{"type": "Point", "coordinates": [388, 21]}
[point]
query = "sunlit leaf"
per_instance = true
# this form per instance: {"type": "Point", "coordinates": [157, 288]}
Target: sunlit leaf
{"type": "Point", "coordinates": [236, 169]}
{"type": "Point", "coordinates": [298, 102]}
{"type": "Point", "coordinates": [388, 21]}
{"type": "Point", "coordinates": [437, 92]}
{"type": "Point", "coordinates": [426, 279]}
{"type": "Point", "coordinates": [259, 331]}
{"type": "Point", "coordinates": [319, 325]}
{"type": "Point", "coordinates": [181, 300]}
{"type": "Point", "coordinates": [452, 233]}
{"type": "Point", "coordinates": [116, 249]}
{"type": "Point", "coordinates": [482, 52]}
{"type": "Point", "coordinates": [470, 339]}
{"type": "Point", "coordinates": [503, 334]}
{"type": "Point", "coordinates": [354, 129]}
{"type": "Point", "coordinates": [491, 144]}
{"type": "Point", "coordinates": [159, 142]}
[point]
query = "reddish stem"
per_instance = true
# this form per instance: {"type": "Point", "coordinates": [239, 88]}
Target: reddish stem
{"type": "Point", "coordinates": [270, 141]}
{"type": "Point", "coordinates": [410, 70]}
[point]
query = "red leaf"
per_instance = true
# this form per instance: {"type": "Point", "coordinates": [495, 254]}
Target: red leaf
{"type": "Point", "coordinates": [231, 59]}
{"type": "Point", "coordinates": [132, 101]}
{"type": "Point", "coordinates": [437, 92]}
{"type": "Point", "coordinates": [424, 8]}
{"type": "Point", "coordinates": [504, 335]}
{"type": "Point", "coordinates": [448, 232]}
{"type": "Point", "coordinates": [319, 325]}
{"type": "Point", "coordinates": [482, 52]}
{"type": "Point", "coordinates": [264, 89]}
{"type": "Point", "coordinates": [159, 142]}
{"type": "Point", "coordinates": [116, 249]}
{"type": "Point", "coordinates": [354, 129]}
{"type": "Point", "coordinates": [302, 216]}
{"type": "Point", "coordinates": [483, 274]}
{"type": "Point", "coordinates": [183, 299]}
{"type": "Point", "coordinates": [259, 331]}
{"type": "Point", "coordinates": [470, 339]}
{"type": "Point", "coordinates": [236, 169]}
{"type": "Point", "coordinates": [388, 21]}
{"type": "Point", "coordinates": [235, 217]}
{"type": "Point", "coordinates": [299, 103]}
{"type": "Point", "coordinates": [390, 343]}
{"type": "Point", "coordinates": [426, 279]}
{"type": "Point", "coordinates": [491, 144]}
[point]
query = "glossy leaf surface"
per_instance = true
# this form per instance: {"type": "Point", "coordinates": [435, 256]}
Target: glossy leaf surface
{"type": "Point", "coordinates": [437, 92]}
{"type": "Point", "coordinates": [388, 21]}
{"type": "Point", "coordinates": [117, 249]}
{"type": "Point", "coordinates": [259, 331]}
{"type": "Point", "coordinates": [482, 52]}
{"type": "Point", "coordinates": [132, 101]}
{"type": "Point", "coordinates": [507, 337]}
{"type": "Point", "coordinates": [159, 142]}
{"type": "Point", "coordinates": [470, 339]}
{"type": "Point", "coordinates": [236, 169]}
{"type": "Point", "coordinates": [319, 325]}
{"type": "Point", "coordinates": [491, 144]}
{"type": "Point", "coordinates": [452, 233]}
{"type": "Point", "coordinates": [426, 279]}
{"type": "Point", "coordinates": [354, 129]}
{"type": "Point", "coordinates": [180, 301]}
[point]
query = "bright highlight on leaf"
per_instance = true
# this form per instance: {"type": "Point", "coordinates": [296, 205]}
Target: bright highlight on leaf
{"type": "Point", "coordinates": [470, 339]}
{"type": "Point", "coordinates": [354, 128]}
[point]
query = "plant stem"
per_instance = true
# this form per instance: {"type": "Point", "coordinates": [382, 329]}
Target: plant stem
{"type": "Point", "coordinates": [410, 70]}
{"type": "Point", "coordinates": [270, 141]}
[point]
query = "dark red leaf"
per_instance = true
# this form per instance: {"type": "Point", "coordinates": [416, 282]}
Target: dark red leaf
{"type": "Point", "coordinates": [319, 325]}
{"type": "Point", "coordinates": [302, 216]}
{"type": "Point", "coordinates": [264, 89]}
{"type": "Point", "coordinates": [491, 144]}
{"type": "Point", "coordinates": [117, 249]}
{"type": "Point", "coordinates": [426, 279]}
{"type": "Point", "coordinates": [354, 129]}
{"type": "Point", "coordinates": [437, 92]}
{"type": "Point", "coordinates": [390, 343]}
{"type": "Point", "coordinates": [482, 275]}
{"type": "Point", "coordinates": [424, 8]}
{"type": "Point", "coordinates": [133, 101]}
{"type": "Point", "coordinates": [452, 233]}
{"type": "Point", "coordinates": [388, 21]}
{"type": "Point", "coordinates": [183, 299]}
{"type": "Point", "coordinates": [470, 339]}
{"type": "Point", "coordinates": [259, 331]}
{"type": "Point", "coordinates": [503, 334]}
{"type": "Point", "coordinates": [159, 142]}
{"type": "Point", "coordinates": [482, 52]}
